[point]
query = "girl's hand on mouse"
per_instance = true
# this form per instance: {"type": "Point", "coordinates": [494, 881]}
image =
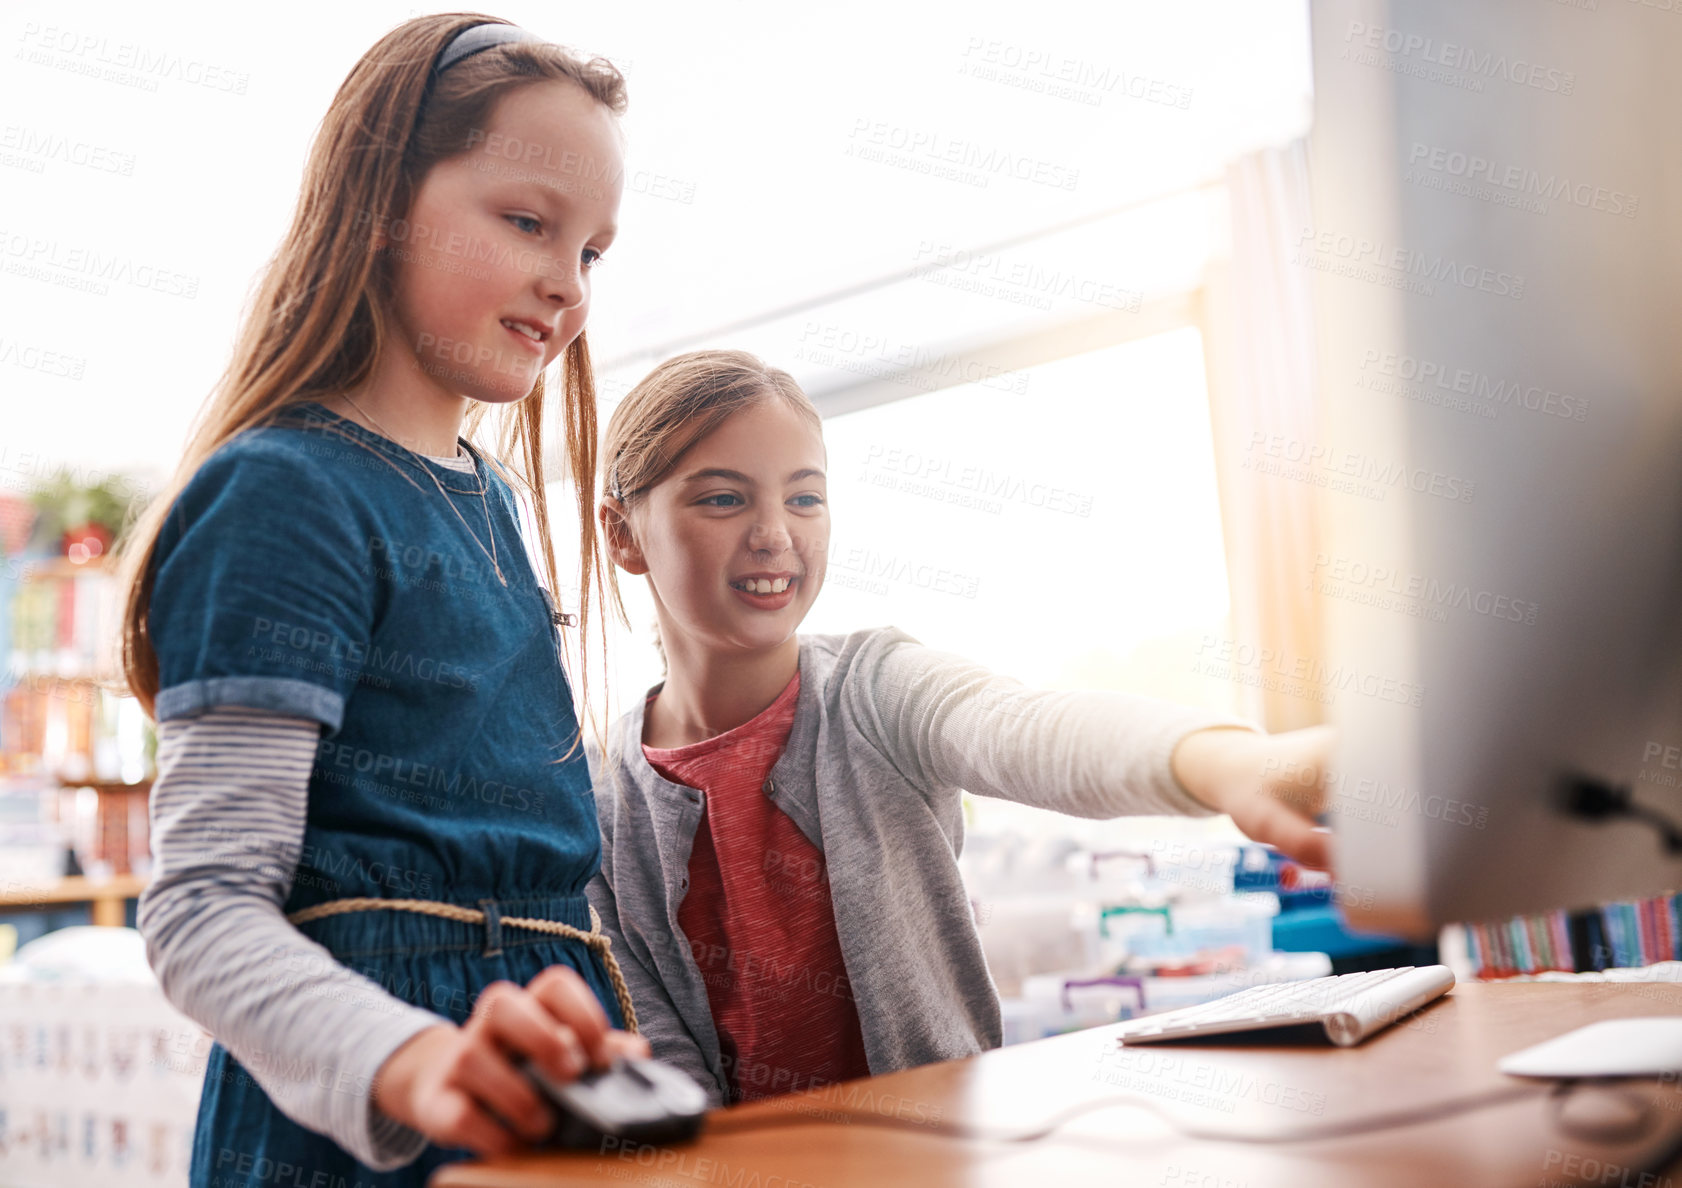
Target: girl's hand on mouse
{"type": "Point", "coordinates": [567, 997]}
{"type": "Point", "coordinates": [460, 1086]}
{"type": "Point", "coordinates": [1271, 785]}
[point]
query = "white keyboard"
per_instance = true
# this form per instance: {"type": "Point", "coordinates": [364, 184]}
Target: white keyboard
{"type": "Point", "coordinates": [1350, 1006]}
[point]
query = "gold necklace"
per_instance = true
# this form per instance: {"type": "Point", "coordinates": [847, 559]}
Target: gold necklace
{"type": "Point", "coordinates": [490, 553]}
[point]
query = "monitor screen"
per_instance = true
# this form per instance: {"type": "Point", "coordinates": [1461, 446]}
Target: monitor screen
{"type": "Point", "coordinates": [1497, 258]}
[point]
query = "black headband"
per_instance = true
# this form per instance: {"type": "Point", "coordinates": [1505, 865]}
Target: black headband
{"type": "Point", "coordinates": [475, 38]}
{"type": "Point", "coordinates": [464, 45]}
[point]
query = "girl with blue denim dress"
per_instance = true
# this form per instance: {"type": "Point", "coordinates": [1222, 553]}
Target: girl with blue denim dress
{"type": "Point", "coordinates": [373, 822]}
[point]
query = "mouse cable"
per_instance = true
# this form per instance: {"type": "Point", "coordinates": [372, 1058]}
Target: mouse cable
{"type": "Point", "coordinates": [1331, 1130]}
{"type": "Point", "coordinates": [1307, 1134]}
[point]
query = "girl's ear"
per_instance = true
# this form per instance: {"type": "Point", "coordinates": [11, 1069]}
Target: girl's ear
{"type": "Point", "coordinates": [621, 541]}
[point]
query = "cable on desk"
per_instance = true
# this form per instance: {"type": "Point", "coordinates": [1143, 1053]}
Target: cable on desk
{"type": "Point", "coordinates": [1308, 1134]}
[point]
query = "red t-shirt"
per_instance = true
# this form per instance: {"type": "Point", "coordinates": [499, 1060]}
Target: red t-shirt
{"type": "Point", "coordinates": [759, 918]}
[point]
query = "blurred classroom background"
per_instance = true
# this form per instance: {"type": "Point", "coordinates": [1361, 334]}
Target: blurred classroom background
{"type": "Point", "coordinates": [1036, 267]}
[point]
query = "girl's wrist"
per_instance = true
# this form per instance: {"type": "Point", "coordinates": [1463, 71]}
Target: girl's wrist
{"type": "Point", "coordinates": [1208, 762]}
{"type": "Point", "coordinates": [394, 1081]}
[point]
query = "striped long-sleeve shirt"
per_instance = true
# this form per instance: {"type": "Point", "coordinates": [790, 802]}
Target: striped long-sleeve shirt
{"type": "Point", "coordinates": [227, 812]}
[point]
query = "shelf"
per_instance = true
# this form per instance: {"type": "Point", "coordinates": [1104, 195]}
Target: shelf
{"type": "Point", "coordinates": [59, 567]}
{"type": "Point", "coordinates": [142, 787]}
{"type": "Point", "coordinates": [35, 677]}
{"type": "Point", "coordinates": [107, 896]}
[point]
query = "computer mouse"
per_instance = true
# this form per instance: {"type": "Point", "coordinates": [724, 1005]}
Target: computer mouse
{"type": "Point", "coordinates": [1604, 1114]}
{"type": "Point", "coordinates": [1644, 1047]}
{"type": "Point", "coordinates": [634, 1100]}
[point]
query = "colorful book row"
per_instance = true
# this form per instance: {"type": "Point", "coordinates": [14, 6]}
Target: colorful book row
{"type": "Point", "coordinates": [1619, 935]}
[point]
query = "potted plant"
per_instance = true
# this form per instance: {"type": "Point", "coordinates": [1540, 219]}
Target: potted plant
{"type": "Point", "coordinates": [78, 520]}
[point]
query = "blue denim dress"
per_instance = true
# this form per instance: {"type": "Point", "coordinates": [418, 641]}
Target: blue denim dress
{"type": "Point", "coordinates": [314, 569]}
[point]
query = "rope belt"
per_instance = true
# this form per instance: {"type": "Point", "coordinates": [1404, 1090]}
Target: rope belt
{"type": "Point", "coordinates": [598, 943]}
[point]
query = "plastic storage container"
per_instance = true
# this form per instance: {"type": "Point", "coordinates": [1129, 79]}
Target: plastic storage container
{"type": "Point", "coordinates": [1243, 921]}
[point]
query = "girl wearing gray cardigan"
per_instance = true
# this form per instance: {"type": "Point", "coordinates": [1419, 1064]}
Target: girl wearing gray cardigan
{"type": "Point", "coordinates": [714, 469]}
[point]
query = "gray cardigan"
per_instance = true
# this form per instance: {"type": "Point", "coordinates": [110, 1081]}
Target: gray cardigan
{"type": "Point", "coordinates": [886, 734]}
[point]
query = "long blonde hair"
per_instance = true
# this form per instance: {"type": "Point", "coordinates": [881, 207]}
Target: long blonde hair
{"type": "Point", "coordinates": [673, 407]}
{"type": "Point", "coordinates": [321, 316]}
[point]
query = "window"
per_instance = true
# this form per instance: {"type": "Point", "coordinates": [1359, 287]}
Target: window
{"type": "Point", "coordinates": [1059, 525]}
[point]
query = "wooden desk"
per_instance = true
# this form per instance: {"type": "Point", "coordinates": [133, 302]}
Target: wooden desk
{"type": "Point", "coordinates": [108, 896]}
{"type": "Point", "coordinates": [1447, 1051]}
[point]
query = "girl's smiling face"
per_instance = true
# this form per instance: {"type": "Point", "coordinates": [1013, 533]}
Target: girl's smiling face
{"type": "Point", "coordinates": [736, 538]}
{"type": "Point", "coordinates": [493, 258]}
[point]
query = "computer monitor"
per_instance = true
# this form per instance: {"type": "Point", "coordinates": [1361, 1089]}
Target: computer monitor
{"type": "Point", "coordinates": [1497, 247]}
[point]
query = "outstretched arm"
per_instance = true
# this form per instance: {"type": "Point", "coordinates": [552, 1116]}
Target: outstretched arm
{"type": "Point", "coordinates": [945, 721]}
{"type": "Point", "coordinates": [1272, 785]}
